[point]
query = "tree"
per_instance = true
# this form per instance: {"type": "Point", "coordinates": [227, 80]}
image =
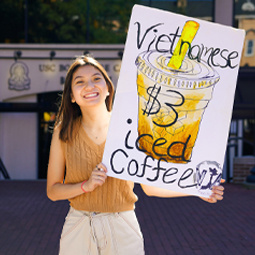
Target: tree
{"type": "Point", "coordinates": [63, 21]}
{"type": "Point", "coordinates": [12, 13]}
{"type": "Point", "coordinates": [110, 20]}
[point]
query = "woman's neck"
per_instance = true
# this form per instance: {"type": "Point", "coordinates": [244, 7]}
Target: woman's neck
{"type": "Point", "coordinates": [96, 125]}
{"type": "Point", "coordinates": [96, 118]}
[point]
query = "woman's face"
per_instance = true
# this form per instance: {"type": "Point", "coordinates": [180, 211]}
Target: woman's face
{"type": "Point", "coordinates": [89, 87]}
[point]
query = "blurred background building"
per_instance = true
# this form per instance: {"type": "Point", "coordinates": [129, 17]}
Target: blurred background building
{"type": "Point", "coordinates": [40, 38]}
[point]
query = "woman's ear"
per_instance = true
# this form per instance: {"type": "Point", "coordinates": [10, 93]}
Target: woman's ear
{"type": "Point", "coordinates": [72, 98]}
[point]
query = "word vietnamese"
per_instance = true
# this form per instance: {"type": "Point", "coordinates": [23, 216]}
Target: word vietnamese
{"type": "Point", "coordinates": [164, 43]}
{"type": "Point", "coordinates": [134, 169]}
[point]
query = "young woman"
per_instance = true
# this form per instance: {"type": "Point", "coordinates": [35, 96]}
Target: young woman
{"type": "Point", "coordinates": [101, 219]}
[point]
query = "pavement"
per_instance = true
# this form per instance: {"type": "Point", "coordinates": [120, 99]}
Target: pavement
{"type": "Point", "coordinates": [31, 224]}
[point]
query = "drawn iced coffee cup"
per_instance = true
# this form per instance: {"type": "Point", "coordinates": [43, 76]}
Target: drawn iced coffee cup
{"type": "Point", "coordinates": [171, 104]}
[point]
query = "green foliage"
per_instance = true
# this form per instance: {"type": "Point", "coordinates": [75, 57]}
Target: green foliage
{"type": "Point", "coordinates": [65, 21]}
{"type": "Point", "coordinates": [11, 15]}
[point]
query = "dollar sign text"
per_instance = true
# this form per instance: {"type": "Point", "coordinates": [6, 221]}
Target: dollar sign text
{"type": "Point", "coordinates": [153, 105]}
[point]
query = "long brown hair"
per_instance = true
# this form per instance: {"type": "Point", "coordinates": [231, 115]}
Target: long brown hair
{"type": "Point", "coordinates": [68, 112]}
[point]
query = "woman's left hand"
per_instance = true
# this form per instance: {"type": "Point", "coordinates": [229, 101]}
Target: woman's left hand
{"type": "Point", "coordinates": [217, 194]}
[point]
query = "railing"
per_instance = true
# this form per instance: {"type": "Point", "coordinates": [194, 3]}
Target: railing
{"type": "Point", "coordinates": [3, 170]}
{"type": "Point", "coordinates": [229, 157]}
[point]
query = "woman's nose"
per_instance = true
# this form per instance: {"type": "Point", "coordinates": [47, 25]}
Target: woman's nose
{"type": "Point", "coordinates": [89, 85]}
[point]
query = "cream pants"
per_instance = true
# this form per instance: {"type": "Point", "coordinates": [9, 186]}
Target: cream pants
{"type": "Point", "coordinates": [88, 233]}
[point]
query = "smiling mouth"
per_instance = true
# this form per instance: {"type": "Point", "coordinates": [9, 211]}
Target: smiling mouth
{"type": "Point", "coordinates": [91, 95]}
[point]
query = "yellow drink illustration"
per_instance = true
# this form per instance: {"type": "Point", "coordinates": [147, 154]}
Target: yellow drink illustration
{"type": "Point", "coordinates": [171, 104]}
{"type": "Point", "coordinates": [173, 94]}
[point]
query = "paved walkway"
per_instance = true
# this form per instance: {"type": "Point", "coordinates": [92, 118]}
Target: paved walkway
{"type": "Point", "coordinates": [30, 224]}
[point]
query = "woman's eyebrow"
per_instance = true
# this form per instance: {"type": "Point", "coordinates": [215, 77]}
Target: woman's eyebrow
{"type": "Point", "coordinates": [77, 77]}
{"type": "Point", "coordinates": [80, 76]}
{"type": "Point", "coordinates": [98, 73]}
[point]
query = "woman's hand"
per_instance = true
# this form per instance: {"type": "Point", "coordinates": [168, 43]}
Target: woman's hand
{"type": "Point", "coordinates": [217, 194]}
{"type": "Point", "coordinates": [97, 178]}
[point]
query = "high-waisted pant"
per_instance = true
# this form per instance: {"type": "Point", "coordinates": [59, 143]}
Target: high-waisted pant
{"type": "Point", "coordinates": [89, 233]}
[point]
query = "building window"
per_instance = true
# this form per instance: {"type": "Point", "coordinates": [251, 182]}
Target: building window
{"type": "Point", "coordinates": [249, 48]}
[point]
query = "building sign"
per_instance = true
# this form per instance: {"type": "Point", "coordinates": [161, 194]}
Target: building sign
{"type": "Point", "coordinates": [174, 102]}
{"type": "Point", "coordinates": [29, 75]}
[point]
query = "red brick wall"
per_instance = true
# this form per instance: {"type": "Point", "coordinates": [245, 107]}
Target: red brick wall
{"type": "Point", "coordinates": [242, 168]}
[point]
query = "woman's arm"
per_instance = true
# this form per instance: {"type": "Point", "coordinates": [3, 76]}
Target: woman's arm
{"type": "Point", "coordinates": [56, 189]}
{"type": "Point", "coordinates": [217, 193]}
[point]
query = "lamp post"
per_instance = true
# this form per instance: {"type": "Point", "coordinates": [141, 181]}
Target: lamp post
{"type": "Point", "coordinates": [26, 21]}
{"type": "Point", "coordinates": [248, 6]}
{"type": "Point", "coordinates": [87, 22]}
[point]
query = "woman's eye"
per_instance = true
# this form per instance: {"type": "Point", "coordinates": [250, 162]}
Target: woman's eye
{"type": "Point", "coordinates": [97, 78]}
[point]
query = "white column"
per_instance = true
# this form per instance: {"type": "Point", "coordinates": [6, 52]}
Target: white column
{"type": "Point", "coordinates": [224, 11]}
{"type": "Point", "coordinates": [18, 137]}
{"type": "Point", "coordinates": [240, 142]}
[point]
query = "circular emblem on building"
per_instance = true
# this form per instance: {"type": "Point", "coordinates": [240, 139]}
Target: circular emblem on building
{"type": "Point", "coordinates": [19, 79]}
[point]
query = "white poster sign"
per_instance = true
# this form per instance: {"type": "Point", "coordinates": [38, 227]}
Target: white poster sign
{"type": "Point", "coordinates": [174, 100]}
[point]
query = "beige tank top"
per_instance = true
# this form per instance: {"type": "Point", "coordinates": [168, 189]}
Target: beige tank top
{"type": "Point", "coordinates": [82, 155]}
